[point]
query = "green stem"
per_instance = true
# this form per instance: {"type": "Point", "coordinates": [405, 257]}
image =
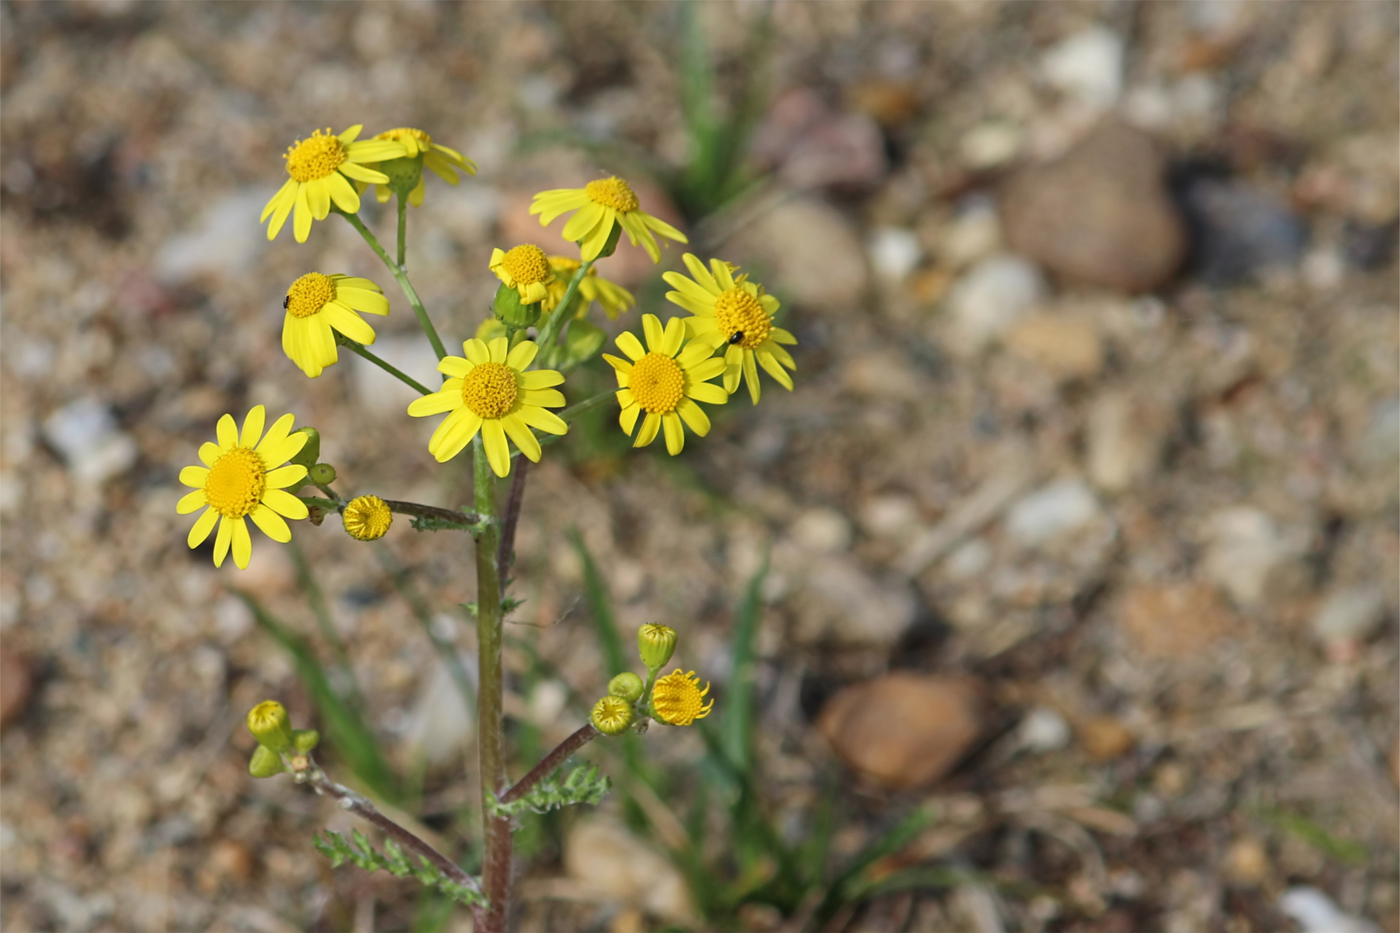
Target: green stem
{"type": "Point", "coordinates": [389, 368]}
{"type": "Point", "coordinates": [403, 231]}
{"type": "Point", "coordinates": [404, 283]}
{"type": "Point", "coordinates": [550, 333]}
{"type": "Point", "coordinates": [490, 681]}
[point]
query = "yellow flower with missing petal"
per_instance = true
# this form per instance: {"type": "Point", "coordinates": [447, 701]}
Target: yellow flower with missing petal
{"type": "Point", "coordinates": [244, 478]}
{"type": "Point", "coordinates": [677, 699]}
{"type": "Point", "coordinates": [666, 382]}
{"type": "Point", "coordinates": [489, 391]}
{"type": "Point", "coordinates": [737, 314]}
{"type": "Point", "coordinates": [613, 297]}
{"type": "Point", "coordinates": [524, 268]}
{"type": "Point", "coordinates": [600, 204]}
{"type": "Point", "coordinates": [444, 162]}
{"type": "Point", "coordinates": [319, 304]}
{"type": "Point", "coordinates": [321, 167]}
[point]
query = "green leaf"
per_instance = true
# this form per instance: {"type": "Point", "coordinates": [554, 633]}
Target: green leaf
{"type": "Point", "coordinates": [583, 785]}
{"type": "Point", "coordinates": [362, 854]}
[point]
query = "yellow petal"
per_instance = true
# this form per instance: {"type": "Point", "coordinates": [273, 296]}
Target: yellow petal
{"type": "Point", "coordinates": [675, 434]}
{"type": "Point", "coordinates": [271, 524]}
{"type": "Point", "coordinates": [493, 438]}
{"type": "Point", "coordinates": [194, 476]}
{"type": "Point", "coordinates": [242, 544]}
{"type": "Point", "coordinates": [191, 502]}
{"type": "Point", "coordinates": [202, 527]}
{"type": "Point", "coordinates": [284, 503]}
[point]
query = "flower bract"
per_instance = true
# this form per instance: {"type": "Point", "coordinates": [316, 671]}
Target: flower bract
{"type": "Point", "coordinates": [678, 700]}
{"type": "Point", "coordinates": [321, 168]}
{"type": "Point", "coordinates": [243, 477]}
{"type": "Point", "coordinates": [441, 160]}
{"type": "Point", "coordinates": [737, 314]}
{"type": "Point", "coordinates": [600, 204]}
{"type": "Point", "coordinates": [524, 268]}
{"type": "Point", "coordinates": [367, 518]}
{"type": "Point", "coordinates": [489, 391]}
{"type": "Point", "coordinates": [666, 382]}
{"type": "Point", "coordinates": [318, 304]}
{"type": "Point", "coordinates": [613, 297]}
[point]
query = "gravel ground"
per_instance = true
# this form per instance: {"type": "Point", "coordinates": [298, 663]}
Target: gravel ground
{"type": "Point", "coordinates": [1089, 483]}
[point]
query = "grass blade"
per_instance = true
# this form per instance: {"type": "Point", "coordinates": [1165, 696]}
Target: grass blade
{"type": "Point", "coordinates": [736, 723]}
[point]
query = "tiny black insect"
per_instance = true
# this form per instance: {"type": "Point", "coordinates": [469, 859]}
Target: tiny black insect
{"type": "Point", "coordinates": [286, 300]}
{"type": "Point", "coordinates": [736, 337]}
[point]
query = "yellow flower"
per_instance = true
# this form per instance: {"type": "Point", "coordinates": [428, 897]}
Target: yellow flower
{"type": "Point", "coordinates": [442, 160]}
{"type": "Point", "coordinates": [678, 700]}
{"type": "Point", "coordinates": [320, 167]}
{"type": "Point", "coordinates": [524, 268]}
{"type": "Point", "coordinates": [242, 477]}
{"type": "Point", "coordinates": [490, 391]}
{"type": "Point", "coordinates": [318, 304]}
{"type": "Point", "coordinates": [599, 203]}
{"type": "Point", "coordinates": [367, 518]}
{"type": "Point", "coordinates": [612, 715]}
{"type": "Point", "coordinates": [737, 313]}
{"type": "Point", "coordinates": [666, 383]}
{"type": "Point", "coordinates": [613, 297]}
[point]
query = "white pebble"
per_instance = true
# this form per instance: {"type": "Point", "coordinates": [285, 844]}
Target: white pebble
{"type": "Point", "coordinates": [1349, 614]}
{"type": "Point", "coordinates": [990, 297]}
{"type": "Point", "coordinates": [87, 435]}
{"type": "Point", "coordinates": [894, 252]}
{"type": "Point", "coordinates": [1044, 730]}
{"type": "Point", "coordinates": [1087, 66]}
{"type": "Point", "coordinates": [1051, 511]}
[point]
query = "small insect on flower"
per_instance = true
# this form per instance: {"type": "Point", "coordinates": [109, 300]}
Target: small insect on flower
{"type": "Point", "coordinates": [736, 337]}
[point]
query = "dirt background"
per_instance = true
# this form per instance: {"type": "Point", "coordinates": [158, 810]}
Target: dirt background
{"type": "Point", "coordinates": [1100, 453]}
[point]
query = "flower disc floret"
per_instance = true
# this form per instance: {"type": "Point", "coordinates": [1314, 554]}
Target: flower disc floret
{"type": "Point", "coordinates": [657, 383]}
{"type": "Point", "coordinates": [612, 192]}
{"type": "Point", "coordinates": [666, 380]}
{"type": "Point", "coordinates": [600, 205]}
{"type": "Point", "coordinates": [367, 518]}
{"type": "Point", "coordinates": [525, 268]}
{"type": "Point", "coordinates": [319, 305]}
{"type": "Point", "coordinates": [236, 482]}
{"type": "Point", "coordinates": [741, 317]}
{"type": "Point", "coordinates": [490, 390]}
{"type": "Point", "coordinates": [678, 700]}
{"type": "Point", "coordinates": [315, 157]}
{"type": "Point", "coordinates": [310, 294]}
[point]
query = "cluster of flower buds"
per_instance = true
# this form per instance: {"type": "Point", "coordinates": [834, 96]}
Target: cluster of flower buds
{"type": "Point", "coordinates": [675, 700]}
{"type": "Point", "coordinates": [280, 747]}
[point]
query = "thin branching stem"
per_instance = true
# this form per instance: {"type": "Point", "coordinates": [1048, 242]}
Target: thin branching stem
{"type": "Point", "coordinates": [389, 368]}
{"type": "Point", "coordinates": [551, 761]}
{"type": "Point", "coordinates": [506, 556]}
{"type": "Point", "coordinates": [402, 277]}
{"type": "Point", "coordinates": [551, 329]}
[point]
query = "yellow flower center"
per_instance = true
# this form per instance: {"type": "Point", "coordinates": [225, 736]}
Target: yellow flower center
{"type": "Point", "coordinates": [367, 518]}
{"type": "Point", "coordinates": [236, 482]}
{"type": "Point", "coordinates": [309, 294]}
{"type": "Point", "coordinates": [526, 264]}
{"type": "Point", "coordinates": [657, 382]}
{"type": "Point", "coordinates": [611, 192]}
{"type": "Point", "coordinates": [489, 390]}
{"type": "Point", "coordinates": [611, 715]}
{"type": "Point", "coordinates": [266, 716]}
{"type": "Point", "coordinates": [678, 699]}
{"type": "Point", "coordinates": [738, 312]}
{"type": "Point", "coordinates": [316, 157]}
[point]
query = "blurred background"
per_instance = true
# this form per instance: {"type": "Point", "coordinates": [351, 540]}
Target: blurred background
{"type": "Point", "coordinates": [1060, 595]}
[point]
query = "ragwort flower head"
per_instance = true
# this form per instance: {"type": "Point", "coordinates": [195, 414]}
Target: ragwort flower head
{"type": "Point", "coordinates": [737, 314]}
{"type": "Point", "coordinates": [612, 715]}
{"type": "Point", "coordinates": [319, 304]}
{"type": "Point", "coordinates": [367, 518]}
{"type": "Point", "coordinates": [666, 382]}
{"type": "Point", "coordinates": [524, 268]}
{"type": "Point", "coordinates": [678, 700]}
{"type": "Point", "coordinates": [600, 204]}
{"type": "Point", "coordinates": [443, 161]}
{"type": "Point", "coordinates": [613, 297]}
{"type": "Point", "coordinates": [321, 168]}
{"type": "Point", "coordinates": [489, 391]}
{"type": "Point", "coordinates": [244, 478]}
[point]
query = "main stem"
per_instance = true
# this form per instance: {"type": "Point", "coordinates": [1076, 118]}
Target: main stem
{"type": "Point", "coordinates": [490, 713]}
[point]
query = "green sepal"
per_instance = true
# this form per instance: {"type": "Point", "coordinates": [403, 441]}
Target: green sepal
{"type": "Point", "coordinates": [510, 312]}
{"type": "Point", "coordinates": [265, 763]}
{"type": "Point", "coordinates": [310, 451]}
{"type": "Point", "coordinates": [305, 740]}
{"type": "Point", "coordinates": [404, 173]}
{"type": "Point", "coordinates": [610, 247]}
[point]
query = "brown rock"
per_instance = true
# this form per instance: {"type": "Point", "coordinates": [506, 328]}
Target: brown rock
{"type": "Point", "coordinates": [1104, 738]}
{"type": "Point", "coordinates": [1066, 347]}
{"type": "Point", "coordinates": [16, 686]}
{"type": "Point", "coordinates": [1100, 214]}
{"type": "Point", "coordinates": [904, 730]}
{"type": "Point", "coordinates": [231, 860]}
{"type": "Point", "coordinates": [812, 251]}
{"type": "Point", "coordinates": [1174, 620]}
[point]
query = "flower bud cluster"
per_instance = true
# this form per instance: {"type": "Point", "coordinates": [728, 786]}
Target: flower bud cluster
{"type": "Point", "coordinates": [270, 725]}
{"type": "Point", "coordinates": [674, 700]}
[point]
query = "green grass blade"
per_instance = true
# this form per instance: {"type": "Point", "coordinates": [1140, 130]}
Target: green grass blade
{"type": "Point", "coordinates": [736, 721]}
{"type": "Point", "coordinates": [852, 882]}
{"type": "Point", "coordinates": [595, 588]}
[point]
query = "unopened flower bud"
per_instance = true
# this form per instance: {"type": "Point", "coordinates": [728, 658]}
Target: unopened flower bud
{"type": "Point", "coordinates": [322, 474]}
{"type": "Point", "coordinates": [265, 763]}
{"type": "Point", "coordinates": [404, 173]}
{"type": "Point", "coordinates": [268, 723]}
{"type": "Point", "coordinates": [656, 643]}
{"type": "Point", "coordinates": [626, 685]}
{"type": "Point", "coordinates": [509, 310]}
{"type": "Point", "coordinates": [310, 451]}
{"type": "Point", "coordinates": [305, 740]}
{"type": "Point", "coordinates": [612, 715]}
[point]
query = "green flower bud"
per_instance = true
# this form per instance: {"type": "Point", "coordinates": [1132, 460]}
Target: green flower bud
{"type": "Point", "coordinates": [322, 474]}
{"type": "Point", "coordinates": [612, 715]}
{"type": "Point", "coordinates": [581, 344]}
{"type": "Point", "coordinates": [510, 312]}
{"type": "Point", "coordinates": [310, 451]}
{"type": "Point", "coordinates": [265, 763]}
{"type": "Point", "coordinates": [626, 685]}
{"type": "Point", "coordinates": [268, 723]}
{"type": "Point", "coordinates": [656, 643]}
{"type": "Point", "coordinates": [403, 173]}
{"type": "Point", "coordinates": [610, 247]}
{"type": "Point", "coordinates": [305, 740]}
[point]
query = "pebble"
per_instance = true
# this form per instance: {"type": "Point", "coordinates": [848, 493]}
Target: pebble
{"type": "Point", "coordinates": [813, 252]}
{"type": "Point", "coordinates": [1351, 614]}
{"type": "Point", "coordinates": [1087, 66]}
{"type": "Point", "coordinates": [904, 730]}
{"type": "Point", "coordinates": [1125, 439]}
{"type": "Point", "coordinates": [1104, 738]}
{"type": "Point", "coordinates": [612, 864]}
{"type": "Point", "coordinates": [1044, 730]}
{"type": "Point", "coordinates": [889, 516]}
{"type": "Point", "coordinates": [990, 297]}
{"type": "Point", "coordinates": [1380, 444]}
{"type": "Point", "coordinates": [894, 253]}
{"type": "Point", "coordinates": [1314, 912]}
{"type": "Point", "coordinates": [811, 145]}
{"type": "Point", "coordinates": [1248, 557]}
{"type": "Point", "coordinates": [1240, 232]}
{"type": "Point", "coordinates": [1247, 861]}
{"type": "Point", "coordinates": [1051, 511]}
{"type": "Point", "coordinates": [440, 724]}
{"type": "Point", "coordinates": [16, 686]}
{"type": "Point", "coordinates": [86, 434]}
{"type": "Point", "coordinates": [227, 241]}
{"type": "Point", "coordinates": [822, 531]}
{"type": "Point", "coordinates": [231, 860]}
{"type": "Point", "coordinates": [1100, 214]}
{"type": "Point", "coordinates": [991, 145]}
{"type": "Point", "coordinates": [974, 234]}
{"type": "Point", "coordinates": [883, 374]}
{"type": "Point", "coordinates": [1065, 347]}
{"type": "Point", "coordinates": [1174, 620]}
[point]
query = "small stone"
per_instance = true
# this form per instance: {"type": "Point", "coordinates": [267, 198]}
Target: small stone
{"type": "Point", "coordinates": [1174, 620]}
{"type": "Point", "coordinates": [890, 102]}
{"type": "Point", "coordinates": [904, 730]}
{"type": "Point", "coordinates": [1044, 730]}
{"type": "Point", "coordinates": [822, 531]}
{"type": "Point", "coordinates": [813, 252]}
{"type": "Point", "coordinates": [1249, 558]}
{"type": "Point", "coordinates": [1349, 615]}
{"type": "Point", "coordinates": [1246, 861]}
{"type": "Point", "coordinates": [1380, 444]}
{"type": "Point", "coordinates": [1051, 511]}
{"type": "Point", "coordinates": [1314, 912]}
{"type": "Point", "coordinates": [86, 434]}
{"type": "Point", "coordinates": [226, 242]}
{"type": "Point", "coordinates": [231, 860]}
{"type": "Point", "coordinates": [894, 252]}
{"type": "Point", "coordinates": [973, 235]}
{"type": "Point", "coordinates": [810, 145]}
{"type": "Point", "coordinates": [889, 516]}
{"type": "Point", "coordinates": [1066, 347]}
{"type": "Point", "coordinates": [1125, 440]}
{"type": "Point", "coordinates": [988, 300]}
{"type": "Point", "coordinates": [991, 145]}
{"type": "Point", "coordinates": [882, 374]}
{"type": "Point", "coordinates": [16, 686]}
{"type": "Point", "coordinates": [1087, 66]}
{"type": "Point", "coordinates": [1104, 738]}
{"type": "Point", "coordinates": [609, 861]}
{"type": "Point", "coordinates": [1100, 214]}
